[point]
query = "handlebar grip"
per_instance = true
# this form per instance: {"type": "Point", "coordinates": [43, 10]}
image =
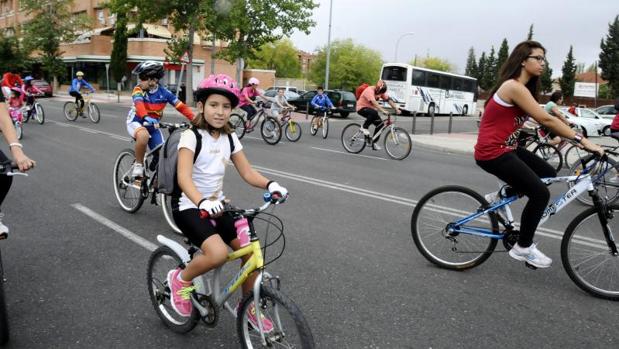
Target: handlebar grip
{"type": "Point", "coordinates": [204, 214]}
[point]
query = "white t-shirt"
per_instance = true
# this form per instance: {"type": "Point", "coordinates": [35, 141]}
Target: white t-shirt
{"type": "Point", "coordinates": [210, 166]}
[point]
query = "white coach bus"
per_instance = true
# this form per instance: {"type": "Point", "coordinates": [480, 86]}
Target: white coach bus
{"type": "Point", "coordinates": [428, 91]}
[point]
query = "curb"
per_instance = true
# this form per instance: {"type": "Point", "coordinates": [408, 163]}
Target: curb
{"type": "Point", "coordinates": [441, 148]}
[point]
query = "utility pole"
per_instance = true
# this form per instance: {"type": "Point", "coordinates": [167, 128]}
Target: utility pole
{"type": "Point", "coordinates": [328, 46]}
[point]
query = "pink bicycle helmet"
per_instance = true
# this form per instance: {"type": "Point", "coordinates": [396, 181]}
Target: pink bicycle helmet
{"type": "Point", "coordinates": [220, 84]}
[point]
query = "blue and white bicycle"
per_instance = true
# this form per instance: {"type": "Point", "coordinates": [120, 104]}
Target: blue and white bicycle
{"type": "Point", "coordinates": [455, 228]}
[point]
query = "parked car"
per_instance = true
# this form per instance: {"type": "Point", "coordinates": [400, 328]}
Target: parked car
{"type": "Point", "coordinates": [343, 101]}
{"type": "Point", "coordinates": [606, 111]}
{"type": "Point", "coordinates": [290, 95]}
{"type": "Point", "coordinates": [44, 86]}
{"type": "Point", "coordinates": [286, 88]}
{"type": "Point", "coordinates": [589, 122]}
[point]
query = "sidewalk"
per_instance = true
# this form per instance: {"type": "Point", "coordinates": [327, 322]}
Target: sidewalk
{"type": "Point", "coordinates": [458, 143]}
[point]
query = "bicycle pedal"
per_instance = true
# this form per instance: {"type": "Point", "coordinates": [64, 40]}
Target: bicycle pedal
{"type": "Point", "coordinates": [530, 266]}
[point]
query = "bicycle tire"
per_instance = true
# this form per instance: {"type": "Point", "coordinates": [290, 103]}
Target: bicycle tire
{"type": "Point", "coordinates": [293, 131]}
{"type": "Point", "coordinates": [290, 326]}
{"type": "Point", "coordinates": [165, 202]}
{"type": "Point", "coordinates": [314, 125]}
{"type": "Point", "coordinates": [608, 188]}
{"type": "Point", "coordinates": [4, 317]}
{"type": "Point", "coordinates": [94, 113]}
{"type": "Point", "coordinates": [397, 138]}
{"type": "Point", "coordinates": [70, 111]}
{"type": "Point", "coordinates": [550, 154]}
{"type": "Point", "coordinates": [463, 203]}
{"type": "Point", "coordinates": [580, 246]}
{"type": "Point", "coordinates": [353, 140]}
{"type": "Point", "coordinates": [26, 116]}
{"type": "Point", "coordinates": [573, 154]}
{"type": "Point", "coordinates": [159, 290]}
{"type": "Point", "coordinates": [238, 124]}
{"type": "Point", "coordinates": [270, 130]}
{"type": "Point", "coordinates": [121, 182]}
{"type": "Point", "coordinates": [40, 113]}
{"type": "Point", "coordinates": [325, 128]}
{"type": "Point", "coordinates": [19, 130]}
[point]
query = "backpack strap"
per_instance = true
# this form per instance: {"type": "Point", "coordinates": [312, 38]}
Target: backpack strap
{"type": "Point", "coordinates": [198, 143]}
{"type": "Point", "coordinates": [231, 141]}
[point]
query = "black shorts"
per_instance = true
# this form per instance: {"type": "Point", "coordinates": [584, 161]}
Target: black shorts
{"type": "Point", "coordinates": [197, 230]}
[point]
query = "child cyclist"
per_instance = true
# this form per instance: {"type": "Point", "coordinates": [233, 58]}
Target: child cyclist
{"type": "Point", "coordinates": [149, 101]}
{"type": "Point", "coordinates": [280, 103]}
{"type": "Point", "coordinates": [202, 185]}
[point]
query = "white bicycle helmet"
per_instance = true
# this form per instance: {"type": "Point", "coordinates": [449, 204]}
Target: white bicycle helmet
{"type": "Point", "coordinates": [254, 81]}
{"type": "Point", "coordinates": [149, 69]}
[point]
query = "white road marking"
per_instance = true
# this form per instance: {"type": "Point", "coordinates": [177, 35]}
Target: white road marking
{"type": "Point", "coordinates": [345, 153]}
{"type": "Point", "coordinates": [90, 130]}
{"type": "Point", "coordinates": [117, 228]}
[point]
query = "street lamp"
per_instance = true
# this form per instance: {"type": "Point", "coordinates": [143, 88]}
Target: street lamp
{"type": "Point", "coordinates": [326, 87]}
{"type": "Point", "coordinates": [397, 44]}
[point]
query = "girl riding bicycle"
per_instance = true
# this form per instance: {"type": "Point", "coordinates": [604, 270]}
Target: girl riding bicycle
{"type": "Point", "coordinates": [510, 103]}
{"type": "Point", "coordinates": [201, 181]}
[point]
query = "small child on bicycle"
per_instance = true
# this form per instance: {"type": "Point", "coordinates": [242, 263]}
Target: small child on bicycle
{"type": "Point", "coordinates": [149, 101]}
{"type": "Point", "coordinates": [16, 102]}
{"type": "Point", "coordinates": [201, 181]}
{"type": "Point", "coordinates": [279, 104]}
{"type": "Point", "coordinates": [30, 90]}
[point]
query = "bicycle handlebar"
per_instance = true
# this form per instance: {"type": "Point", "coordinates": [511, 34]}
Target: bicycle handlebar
{"type": "Point", "coordinates": [268, 198]}
{"type": "Point", "coordinates": [167, 124]}
{"type": "Point", "coordinates": [7, 169]}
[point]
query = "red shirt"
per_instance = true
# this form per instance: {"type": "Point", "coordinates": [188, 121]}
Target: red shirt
{"type": "Point", "coordinates": [499, 129]}
{"type": "Point", "coordinates": [11, 80]}
{"type": "Point", "coordinates": [615, 124]}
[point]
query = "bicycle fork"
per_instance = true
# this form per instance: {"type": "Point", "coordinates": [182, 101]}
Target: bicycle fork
{"type": "Point", "coordinates": [604, 214]}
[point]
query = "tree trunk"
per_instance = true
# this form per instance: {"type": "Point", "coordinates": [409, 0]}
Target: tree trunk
{"type": "Point", "coordinates": [240, 63]}
{"type": "Point", "coordinates": [55, 83]}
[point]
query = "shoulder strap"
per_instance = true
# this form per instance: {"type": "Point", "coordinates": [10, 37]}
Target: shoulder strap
{"type": "Point", "coordinates": [231, 141]}
{"type": "Point", "coordinates": [198, 143]}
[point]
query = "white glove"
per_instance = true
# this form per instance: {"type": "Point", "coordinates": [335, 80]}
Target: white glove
{"type": "Point", "coordinates": [275, 188]}
{"type": "Point", "coordinates": [213, 207]}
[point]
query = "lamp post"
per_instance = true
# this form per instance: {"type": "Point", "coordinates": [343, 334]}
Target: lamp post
{"type": "Point", "coordinates": [397, 44]}
{"type": "Point", "coordinates": [328, 47]}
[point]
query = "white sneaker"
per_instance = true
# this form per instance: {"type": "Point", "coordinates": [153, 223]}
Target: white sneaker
{"type": "Point", "coordinates": [376, 146]}
{"type": "Point", "coordinates": [530, 255]}
{"type": "Point", "coordinates": [4, 230]}
{"type": "Point", "coordinates": [365, 131]}
{"type": "Point", "coordinates": [137, 171]}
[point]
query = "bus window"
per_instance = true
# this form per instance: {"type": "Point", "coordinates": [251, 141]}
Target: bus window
{"type": "Point", "coordinates": [433, 80]}
{"type": "Point", "coordinates": [457, 84]}
{"type": "Point", "coordinates": [419, 78]}
{"type": "Point", "coordinates": [467, 85]}
{"type": "Point", "coordinates": [445, 82]}
{"type": "Point", "coordinates": [394, 73]}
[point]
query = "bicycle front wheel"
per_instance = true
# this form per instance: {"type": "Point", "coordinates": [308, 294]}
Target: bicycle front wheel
{"type": "Point", "coordinates": [607, 187]}
{"type": "Point", "coordinates": [70, 111]}
{"type": "Point", "coordinates": [586, 256]}
{"type": "Point", "coordinates": [19, 130]}
{"type": "Point", "coordinates": [289, 327]}
{"type": "Point", "coordinates": [128, 192]}
{"type": "Point", "coordinates": [93, 113]}
{"type": "Point", "coordinates": [238, 124]}
{"type": "Point", "coordinates": [550, 154]}
{"type": "Point", "coordinates": [353, 139]}
{"type": "Point", "coordinates": [293, 131]}
{"type": "Point", "coordinates": [270, 130]}
{"type": "Point", "coordinates": [161, 261]}
{"type": "Point", "coordinates": [166, 206]}
{"type": "Point", "coordinates": [325, 128]}
{"type": "Point", "coordinates": [573, 154]}
{"type": "Point", "coordinates": [398, 143]}
{"type": "Point", "coordinates": [432, 219]}
{"type": "Point", "coordinates": [39, 113]}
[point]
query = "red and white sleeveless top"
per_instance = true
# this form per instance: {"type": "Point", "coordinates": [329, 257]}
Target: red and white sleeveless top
{"type": "Point", "coordinates": [499, 129]}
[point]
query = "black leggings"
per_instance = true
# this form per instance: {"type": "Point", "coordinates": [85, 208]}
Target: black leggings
{"type": "Point", "coordinates": [250, 110]}
{"type": "Point", "coordinates": [522, 170]}
{"type": "Point", "coordinates": [5, 181]}
{"type": "Point", "coordinates": [371, 118]}
{"type": "Point", "coordinates": [79, 100]}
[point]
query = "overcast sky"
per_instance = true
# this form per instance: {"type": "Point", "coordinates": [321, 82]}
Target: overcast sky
{"type": "Point", "coordinates": [448, 28]}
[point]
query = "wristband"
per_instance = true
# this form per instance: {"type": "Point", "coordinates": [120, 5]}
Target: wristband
{"type": "Point", "coordinates": [269, 183]}
{"type": "Point", "coordinates": [16, 145]}
{"type": "Point", "coordinates": [578, 137]}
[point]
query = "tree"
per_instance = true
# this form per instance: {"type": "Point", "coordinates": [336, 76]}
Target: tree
{"type": "Point", "coordinates": [118, 60]}
{"type": "Point", "coordinates": [530, 34]}
{"type": "Point", "coordinates": [350, 65]}
{"type": "Point", "coordinates": [580, 68]}
{"type": "Point", "coordinates": [481, 71]}
{"type": "Point", "coordinates": [435, 63]}
{"type": "Point", "coordinates": [281, 56]}
{"type": "Point", "coordinates": [609, 57]}
{"type": "Point", "coordinates": [502, 56]}
{"type": "Point", "coordinates": [568, 77]}
{"type": "Point", "coordinates": [247, 25]}
{"type": "Point", "coordinates": [546, 79]}
{"type": "Point", "coordinates": [489, 77]}
{"type": "Point", "coordinates": [11, 54]}
{"type": "Point", "coordinates": [52, 23]}
{"type": "Point", "coordinates": [471, 64]}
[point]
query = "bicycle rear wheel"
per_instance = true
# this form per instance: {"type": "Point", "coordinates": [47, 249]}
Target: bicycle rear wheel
{"type": "Point", "coordinates": [19, 130]}
{"type": "Point", "coordinates": [607, 187]}
{"type": "Point", "coordinates": [550, 154]}
{"type": "Point", "coordinates": [325, 128]}
{"type": "Point", "coordinates": [70, 111]}
{"type": "Point", "coordinates": [4, 318]}
{"type": "Point", "coordinates": [353, 139]}
{"type": "Point", "coordinates": [93, 113]}
{"type": "Point", "coordinates": [398, 143]}
{"type": "Point", "coordinates": [270, 130]}
{"type": "Point", "coordinates": [434, 214]}
{"type": "Point", "coordinates": [166, 206]}
{"type": "Point", "coordinates": [161, 261]}
{"type": "Point", "coordinates": [586, 257]}
{"type": "Point", "coordinates": [290, 329]}
{"type": "Point", "coordinates": [314, 125]}
{"type": "Point", "coordinates": [39, 113]}
{"type": "Point", "coordinates": [127, 191]}
{"type": "Point", "coordinates": [238, 124]}
{"type": "Point", "coordinates": [293, 131]}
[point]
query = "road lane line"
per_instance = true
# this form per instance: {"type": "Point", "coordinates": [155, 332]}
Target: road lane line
{"type": "Point", "coordinates": [90, 130]}
{"type": "Point", "coordinates": [341, 152]}
{"type": "Point", "coordinates": [117, 228]}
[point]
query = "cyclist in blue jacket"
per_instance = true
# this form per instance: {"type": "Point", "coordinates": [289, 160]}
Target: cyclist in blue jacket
{"type": "Point", "coordinates": [321, 101]}
{"type": "Point", "coordinates": [76, 85]}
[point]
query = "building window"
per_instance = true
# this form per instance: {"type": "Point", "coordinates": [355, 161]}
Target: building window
{"type": "Point", "coordinates": [101, 17]}
{"type": "Point", "coordinates": [112, 19]}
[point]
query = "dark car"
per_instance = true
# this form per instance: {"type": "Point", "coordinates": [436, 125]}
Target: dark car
{"type": "Point", "coordinates": [343, 101]}
{"type": "Point", "coordinates": [44, 86]}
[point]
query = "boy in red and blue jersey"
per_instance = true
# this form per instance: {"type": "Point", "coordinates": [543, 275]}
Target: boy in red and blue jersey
{"type": "Point", "coordinates": [149, 101]}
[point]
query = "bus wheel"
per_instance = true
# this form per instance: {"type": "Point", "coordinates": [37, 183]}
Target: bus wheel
{"type": "Point", "coordinates": [431, 110]}
{"type": "Point", "coordinates": [465, 110]}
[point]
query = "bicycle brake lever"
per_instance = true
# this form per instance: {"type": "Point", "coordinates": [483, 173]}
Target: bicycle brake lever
{"type": "Point", "coordinates": [11, 174]}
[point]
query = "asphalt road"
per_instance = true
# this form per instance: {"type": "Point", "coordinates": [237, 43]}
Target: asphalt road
{"type": "Point", "coordinates": [350, 263]}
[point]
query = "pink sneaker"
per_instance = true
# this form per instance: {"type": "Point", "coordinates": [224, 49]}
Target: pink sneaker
{"type": "Point", "coordinates": [180, 293]}
{"type": "Point", "coordinates": [267, 325]}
